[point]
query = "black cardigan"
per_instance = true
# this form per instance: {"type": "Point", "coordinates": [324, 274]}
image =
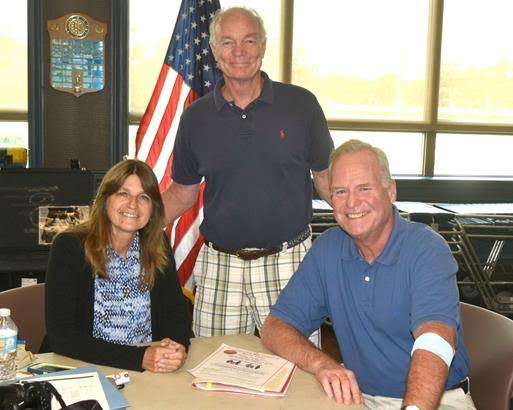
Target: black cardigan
{"type": "Point", "coordinates": [70, 304]}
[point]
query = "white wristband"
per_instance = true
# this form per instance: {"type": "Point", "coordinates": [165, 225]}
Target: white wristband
{"type": "Point", "coordinates": [435, 344]}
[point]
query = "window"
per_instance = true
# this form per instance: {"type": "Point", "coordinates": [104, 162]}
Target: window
{"type": "Point", "coordinates": [467, 155]}
{"type": "Point", "coordinates": [150, 33]}
{"type": "Point", "coordinates": [13, 134]}
{"type": "Point", "coordinates": [476, 79]}
{"type": "Point", "coordinates": [363, 59]}
{"type": "Point", "coordinates": [392, 74]}
{"type": "Point", "coordinates": [13, 76]}
{"type": "Point", "coordinates": [389, 142]}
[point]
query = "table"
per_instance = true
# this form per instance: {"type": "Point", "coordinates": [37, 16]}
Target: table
{"type": "Point", "coordinates": [174, 390]}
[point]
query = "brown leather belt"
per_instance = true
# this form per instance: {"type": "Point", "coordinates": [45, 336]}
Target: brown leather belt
{"type": "Point", "coordinates": [248, 254]}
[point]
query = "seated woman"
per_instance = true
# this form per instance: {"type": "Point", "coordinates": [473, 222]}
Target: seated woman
{"type": "Point", "coordinates": [111, 282]}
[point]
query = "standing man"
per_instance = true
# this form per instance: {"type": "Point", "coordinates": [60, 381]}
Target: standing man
{"type": "Point", "coordinates": [257, 143]}
{"type": "Point", "coordinates": [389, 287]}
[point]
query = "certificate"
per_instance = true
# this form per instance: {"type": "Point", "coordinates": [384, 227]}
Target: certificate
{"type": "Point", "coordinates": [235, 370]}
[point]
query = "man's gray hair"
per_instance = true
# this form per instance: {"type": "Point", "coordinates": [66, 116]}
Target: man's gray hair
{"type": "Point", "coordinates": [355, 145]}
{"type": "Point", "coordinates": [220, 13]}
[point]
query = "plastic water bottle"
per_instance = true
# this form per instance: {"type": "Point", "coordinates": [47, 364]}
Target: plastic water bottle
{"type": "Point", "coordinates": [8, 339]}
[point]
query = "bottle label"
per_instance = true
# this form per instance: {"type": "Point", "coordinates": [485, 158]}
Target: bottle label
{"type": "Point", "coordinates": [8, 344]}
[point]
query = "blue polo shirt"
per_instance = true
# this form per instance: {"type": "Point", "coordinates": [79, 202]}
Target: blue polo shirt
{"type": "Point", "coordinates": [376, 308]}
{"type": "Point", "coordinates": [256, 163]}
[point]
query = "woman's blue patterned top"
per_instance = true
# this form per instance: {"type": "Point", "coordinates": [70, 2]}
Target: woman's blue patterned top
{"type": "Point", "coordinates": [122, 305]}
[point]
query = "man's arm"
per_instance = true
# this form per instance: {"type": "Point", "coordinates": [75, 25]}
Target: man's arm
{"type": "Point", "coordinates": [178, 198]}
{"type": "Point", "coordinates": [321, 183]}
{"type": "Point", "coordinates": [427, 375]}
{"type": "Point", "coordinates": [338, 382]}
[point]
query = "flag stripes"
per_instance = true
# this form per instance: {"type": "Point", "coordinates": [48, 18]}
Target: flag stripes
{"type": "Point", "coordinates": [182, 79]}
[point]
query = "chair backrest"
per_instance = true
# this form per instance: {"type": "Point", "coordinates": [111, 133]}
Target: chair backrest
{"type": "Point", "coordinates": [489, 341]}
{"type": "Point", "coordinates": [27, 306]}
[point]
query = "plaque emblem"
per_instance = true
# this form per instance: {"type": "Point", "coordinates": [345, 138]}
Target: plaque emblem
{"type": "Point", "coordinates": [77, 54]}
{"type": "Point", "coordinates": [77, 26]}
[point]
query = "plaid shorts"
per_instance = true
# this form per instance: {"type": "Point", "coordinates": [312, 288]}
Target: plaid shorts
{"type": "Point", "coordinates": [233, 295]}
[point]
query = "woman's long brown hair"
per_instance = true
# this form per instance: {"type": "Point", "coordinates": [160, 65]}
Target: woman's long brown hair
{"type": "Point", "coordinates": [97, 229]}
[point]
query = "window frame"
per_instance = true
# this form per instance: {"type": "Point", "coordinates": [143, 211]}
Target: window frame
{"type": "Point", "coordinates": [430, 126]}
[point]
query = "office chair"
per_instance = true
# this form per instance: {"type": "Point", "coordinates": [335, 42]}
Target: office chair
{"type": "Point", "coordinates": [489, 340]}
{"type": "Point", "coordinates": [27, 306]}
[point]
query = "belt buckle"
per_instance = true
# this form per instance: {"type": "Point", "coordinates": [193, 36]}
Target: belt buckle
{"type": "Point", "coordinates": [252, 254]}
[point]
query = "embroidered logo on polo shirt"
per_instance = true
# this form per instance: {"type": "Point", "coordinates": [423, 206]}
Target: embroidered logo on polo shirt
{"type": "Point", "coordinates": [282, 134]}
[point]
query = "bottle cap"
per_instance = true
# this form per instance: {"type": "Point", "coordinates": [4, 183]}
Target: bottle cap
{"type": "Point", "coordinates": [5, 312]}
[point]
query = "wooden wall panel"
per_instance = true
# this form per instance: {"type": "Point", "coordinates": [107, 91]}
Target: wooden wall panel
{"type": "Point", "coordinates": [77, 127]}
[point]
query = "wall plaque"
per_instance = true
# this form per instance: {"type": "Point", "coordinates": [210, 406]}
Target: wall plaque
{"type": "Point", "coordinates": [77, 53]}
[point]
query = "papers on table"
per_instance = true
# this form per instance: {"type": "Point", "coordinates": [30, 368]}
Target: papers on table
{"type": "Point", "coordinates": [418, 207]}
{"type": "Point", "coordinates": [321, 205]}
{"type": "Point", "coordinates": [441, 208]}
{"type": "Point", "coordinates": [235, 370]}
{"type": "Point", "coordinates": [491, 208]}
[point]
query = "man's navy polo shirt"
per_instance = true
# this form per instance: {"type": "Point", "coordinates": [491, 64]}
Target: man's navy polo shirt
{"type": "Point", "coordinates": [256, 163]}
{"type": "Point", "coordinates": [376, 308]}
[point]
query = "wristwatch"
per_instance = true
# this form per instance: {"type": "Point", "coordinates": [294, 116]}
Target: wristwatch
{"type": "Point", "coordinates": [410, 407]}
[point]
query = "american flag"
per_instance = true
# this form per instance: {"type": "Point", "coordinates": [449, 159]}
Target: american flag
{"type": "Point", "coordinates": [188, 72]}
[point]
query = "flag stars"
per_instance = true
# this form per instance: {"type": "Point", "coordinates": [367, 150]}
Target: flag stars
{"type": "Point", "coordinates": [190, 51]}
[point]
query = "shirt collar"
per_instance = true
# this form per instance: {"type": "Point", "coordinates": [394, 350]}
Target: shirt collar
{"type": "Point", "coordinates": [391, 252]}
{"type": "Point", "coordinates": [267, 94]}
{"type": "Point", "coordinates": [133, 251]}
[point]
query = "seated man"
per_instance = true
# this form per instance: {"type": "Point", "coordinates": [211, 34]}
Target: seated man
{"type": "Point", "coordinates": [389, 288]}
